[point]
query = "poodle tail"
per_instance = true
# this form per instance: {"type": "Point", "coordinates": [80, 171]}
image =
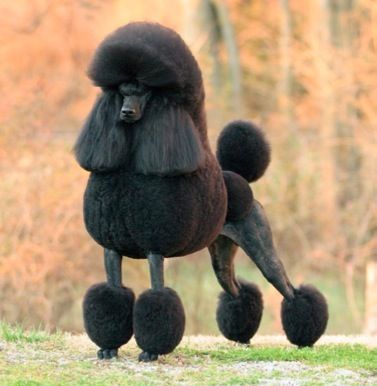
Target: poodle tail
{"type": "Point", "coordinates": [243, 149]}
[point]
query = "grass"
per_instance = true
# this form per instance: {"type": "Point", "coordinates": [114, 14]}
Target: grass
{"type": "Point", "coordinates": [355, 356]}
{"type": "Point", "coordinates": [29, 358]}
{"type": "Point", "coordinates": [17, 334]}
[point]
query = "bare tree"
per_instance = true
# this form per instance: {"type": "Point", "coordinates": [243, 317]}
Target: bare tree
{"type": "Point", "coordinates": [209, 30]}
{"type": "Point", "coordinates": [285, 81]}
{"type": "Point", "coordinates": [320, 40]}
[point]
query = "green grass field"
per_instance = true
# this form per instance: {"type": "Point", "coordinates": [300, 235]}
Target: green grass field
{"type": "Point", "coordinates": [39, 358]}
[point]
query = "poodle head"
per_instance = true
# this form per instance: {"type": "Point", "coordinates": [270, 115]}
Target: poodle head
{"type": "Point", "coordinates": [149, 118]}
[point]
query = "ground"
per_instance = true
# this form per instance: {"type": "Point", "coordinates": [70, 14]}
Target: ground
{"type": "Point", "coordinates": [38, 358]}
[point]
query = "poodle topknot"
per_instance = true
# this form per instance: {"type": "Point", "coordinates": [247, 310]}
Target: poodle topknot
{"type": "Point", "coordinates": [153, 54]}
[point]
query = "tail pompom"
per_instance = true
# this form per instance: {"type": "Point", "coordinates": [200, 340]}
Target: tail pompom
{"type": "Point", "coordinates": [305, 317]}
{"type": "Point", "coordinates": [242, 148]}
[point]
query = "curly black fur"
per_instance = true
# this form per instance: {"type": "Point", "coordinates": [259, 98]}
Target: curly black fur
{"type": "Point", "coordinates": [238, 318]}
{"type": "Point", "coordinates": [166, 142]}
{"type": "Point", "coordinates": [159, 321]}
{"type": "Point", "coordinates": [240, 196]}
{"type": "Point", "coordinates": [151, 53]}
{"type": "Point", "coordinates": [243, 149]}
{"type": "Point", "coordinates": [305, 317]}
{"type": "Point", "coordinates": [103, 142]}
{"type": "Point", "coordinates": [108, 315]}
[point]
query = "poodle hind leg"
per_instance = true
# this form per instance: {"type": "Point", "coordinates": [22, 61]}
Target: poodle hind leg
{"type": "Point", "coordinates": [304, 311]}
{"type": "Point", "coordinates": [159, 318]}
{"type": "Point", "coordinates": [240, 306]}
{"type": "Point", "coordinates": [108, 309]}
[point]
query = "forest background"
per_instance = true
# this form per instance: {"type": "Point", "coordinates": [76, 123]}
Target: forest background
{"type": "Point", "coordinates": [305, 71]}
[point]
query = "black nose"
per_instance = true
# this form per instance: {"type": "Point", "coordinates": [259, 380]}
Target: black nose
{"type": "Point", "coordinates": [128, 112]}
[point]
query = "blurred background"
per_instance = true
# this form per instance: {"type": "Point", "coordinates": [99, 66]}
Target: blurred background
{"type": "Point", "coordinates": [306, 71]}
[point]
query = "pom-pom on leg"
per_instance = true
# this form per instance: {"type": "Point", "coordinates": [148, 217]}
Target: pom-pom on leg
{"type": "Point", "coordinates": [238, 318]}
{"type": "Point", "coordinates": [305, 317]}
{"type": "Point", "coordinates": [159, 322]}
{"type": "Point", "coordinates": [108, 317]}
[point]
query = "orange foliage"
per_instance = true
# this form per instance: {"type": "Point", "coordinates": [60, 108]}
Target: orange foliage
{"type": "Point", "coordinates": [321, 121]}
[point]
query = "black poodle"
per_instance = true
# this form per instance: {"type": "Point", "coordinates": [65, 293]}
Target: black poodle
{"type": "Point", "coordinates": [157, 191]}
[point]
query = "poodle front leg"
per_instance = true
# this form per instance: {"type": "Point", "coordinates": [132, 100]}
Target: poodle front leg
{"type": "Point", "coordinates": [159, 318]}
{"type": "Point", "coordinates": [108, 309]}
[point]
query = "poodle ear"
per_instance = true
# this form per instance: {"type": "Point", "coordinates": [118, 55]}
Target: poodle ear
{"type": "Point", "coordinates": [102, 144]}
{"type": "Point", "coordinates": [167, 143]}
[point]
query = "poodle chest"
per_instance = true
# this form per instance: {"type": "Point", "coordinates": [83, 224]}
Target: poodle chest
{"type": "Point", "coordinates": [135, 214]}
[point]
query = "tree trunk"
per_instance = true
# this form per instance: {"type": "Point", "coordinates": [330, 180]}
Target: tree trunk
{"type": "Point", "coordinates": [234, 67]}
{"type": "Point", "coordinates": [371, 297]}
{"type": "Point", "coordinates": [208, 22]}
{"type": "Point", "coordinates": [347, 154]}
{"type": "Point", "coordinates": [322, 58]}
{"type": "Point", "coordinates": [285, 81]}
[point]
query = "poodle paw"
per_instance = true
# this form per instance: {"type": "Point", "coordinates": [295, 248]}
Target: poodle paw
{"type": "Point", "coordinates": [145, 356]}
{"type": "Point", "coordinates": [238, 318]}
{"type": "Point", "coordinates": [305, 317]}
{"type": "Point", "coordinates": [108, 315]}
{"type": "Point", "coordinates": [159, 322]}
{"type": "Point", "coordinates": [107, 353]}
